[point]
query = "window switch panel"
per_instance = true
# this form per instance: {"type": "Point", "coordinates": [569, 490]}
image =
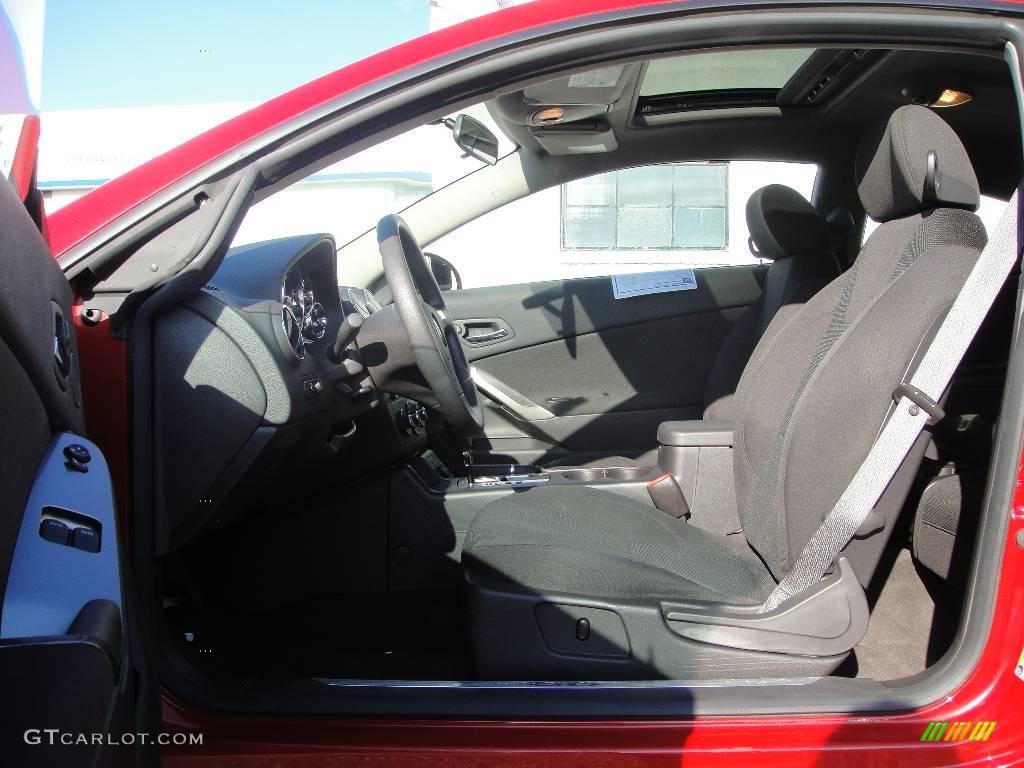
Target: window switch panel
{"type": "Point", "coordinates": [71, 529]}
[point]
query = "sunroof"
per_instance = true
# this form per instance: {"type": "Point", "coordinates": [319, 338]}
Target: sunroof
{"type": "Point", "coordinates": [743, 70]}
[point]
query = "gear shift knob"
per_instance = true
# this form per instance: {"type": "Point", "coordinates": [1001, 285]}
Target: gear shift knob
{"type": "Point", "coordinates": [347, 333]}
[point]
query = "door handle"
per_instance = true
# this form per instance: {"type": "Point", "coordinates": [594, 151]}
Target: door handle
{"type": "Point", "coordinates": [480, 338]}
{"type": "Point", "coordinates": [476, 332]}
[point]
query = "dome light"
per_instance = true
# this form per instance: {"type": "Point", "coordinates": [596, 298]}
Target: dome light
{"type": "Point", "coordinates": [951, 98]}
{"type": "Point", "coordinates": [549, 115]}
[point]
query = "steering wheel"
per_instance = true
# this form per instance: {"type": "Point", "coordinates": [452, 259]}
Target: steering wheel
{"type": "Point", "coordinates": [432, 336]}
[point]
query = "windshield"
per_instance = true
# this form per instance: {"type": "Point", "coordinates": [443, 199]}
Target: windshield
{"type": "Point", "coordinates": [347, 198]}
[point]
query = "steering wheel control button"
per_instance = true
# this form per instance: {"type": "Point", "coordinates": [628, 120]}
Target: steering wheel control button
{"type": "Point", "coordinates": [312, 387]}
{"type": "Point", "coordinates": [85, 539]}
{"type": "Point", "coordinates": [411, 418]}
{"type": "Point", "coordinates": [54, 530]}
{"type": "Point", "coordinates": [78, 452]}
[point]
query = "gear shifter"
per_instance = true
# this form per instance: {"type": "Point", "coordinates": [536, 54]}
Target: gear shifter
{"type": "Point", "coordinates": [467, 462]}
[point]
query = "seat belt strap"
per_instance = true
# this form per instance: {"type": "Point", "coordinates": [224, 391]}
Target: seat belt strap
{"type": "Point", "coordinates": [916, 407]}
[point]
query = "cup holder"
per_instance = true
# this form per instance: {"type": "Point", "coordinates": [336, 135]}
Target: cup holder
{"type": "Point", "coordinates": [626, 473]}
{"type": "Point", "coordinates": [615, 474]}
{"type": "Point", "coordinates": [583, 475]}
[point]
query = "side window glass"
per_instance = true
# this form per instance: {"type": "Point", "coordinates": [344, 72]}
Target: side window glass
{"type": "Point", "coordinates": [642, 219]}
{"type": "Point", "coordinates": [657, 207]}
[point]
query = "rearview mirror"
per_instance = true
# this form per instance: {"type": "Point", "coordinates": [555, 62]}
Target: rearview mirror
{"type": "Point", "coordinates": [474, 138]}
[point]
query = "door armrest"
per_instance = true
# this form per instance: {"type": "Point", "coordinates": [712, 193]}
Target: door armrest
{"type": "Point", "coordinates": [696, 434]}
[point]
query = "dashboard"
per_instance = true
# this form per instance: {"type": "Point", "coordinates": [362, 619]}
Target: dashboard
{"type": "Point", "coordinates": [250, 407]}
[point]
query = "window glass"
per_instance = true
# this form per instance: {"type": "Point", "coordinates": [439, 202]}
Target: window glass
{"type": "Point", "coordinates": [590, 226]}
{"type": "Point", "coordinates": [723, 70]}
{"type": "Point", "coordinates": [636, 220]}
{"type": "Point", "coordinates": [659, 207]}
{"type": "Point", "coordinates": [350, 196]}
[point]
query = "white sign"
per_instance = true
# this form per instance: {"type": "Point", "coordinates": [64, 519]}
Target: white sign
{"type": "Point", "coordinates": [626, 286]}
{"type": "Point", "coordinates": [596, 78]}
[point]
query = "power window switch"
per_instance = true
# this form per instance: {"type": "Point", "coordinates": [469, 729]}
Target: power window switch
{"type": "Point", "coordinates": [54, 530]}
{"type": "Point", "coordinates": [85, 539]}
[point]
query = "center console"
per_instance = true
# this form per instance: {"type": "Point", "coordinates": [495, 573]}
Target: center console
{"type": "Point", "coordinates": [528, 475]}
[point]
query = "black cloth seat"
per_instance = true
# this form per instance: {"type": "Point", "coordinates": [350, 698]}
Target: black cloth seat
{"type": "Point", "coordinates": [809, 405]}
{"type": "Point", "coordinates": [577, 539]}
{"type": "Point", "coordinates": [786, 230]}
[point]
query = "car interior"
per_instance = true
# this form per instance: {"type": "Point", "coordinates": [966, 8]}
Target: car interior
{"type": "Point", "coordinates": [359, 475]}
{"type": "Point", "coordinates": [339, 500]}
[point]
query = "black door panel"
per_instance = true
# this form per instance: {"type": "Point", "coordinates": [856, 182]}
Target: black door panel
{"type": "Point", "coordinates": [63, 656]}
{"type": "Point", "coordinates": [580, 374]}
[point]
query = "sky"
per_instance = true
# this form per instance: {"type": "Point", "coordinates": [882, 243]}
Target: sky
{"type": "Point", "coordinates": [133, 53]}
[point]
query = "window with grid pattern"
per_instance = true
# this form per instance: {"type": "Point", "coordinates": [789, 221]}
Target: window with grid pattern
{"type": "Point", "coordinates": [680, 206]}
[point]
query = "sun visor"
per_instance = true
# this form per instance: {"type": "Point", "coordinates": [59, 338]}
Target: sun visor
{"type": "Point", "coordinates": [596, 86]}
{"type": "Point", "coordinates": [576, 138]}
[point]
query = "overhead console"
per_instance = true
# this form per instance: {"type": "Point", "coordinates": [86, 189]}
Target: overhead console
{"type": "Point", "coordinates": [569, 115]}
{"type": "Point", "coordinates": [580, 113]}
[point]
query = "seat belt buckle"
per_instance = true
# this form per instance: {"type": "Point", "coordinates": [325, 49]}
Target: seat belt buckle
{"type": "Point", "coordinates": [668, 496]}
{"type": "Point", "coordinates": [921, 400]}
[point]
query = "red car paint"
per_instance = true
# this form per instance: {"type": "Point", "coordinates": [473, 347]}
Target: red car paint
{"type": "Point", "coordinates": [103, 362]}
{"type": "Point", "coordinates": [991, 691]}
{"type": "Point", "coordinates": [24, 163]}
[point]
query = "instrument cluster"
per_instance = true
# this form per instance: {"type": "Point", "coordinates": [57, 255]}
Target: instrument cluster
{"type": "Point", "coordinates": [303, 317]}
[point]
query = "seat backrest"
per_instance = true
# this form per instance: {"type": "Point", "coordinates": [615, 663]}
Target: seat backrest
{"type": "Point", "coordinates": [818, 387]}
{"type": "Point", "coordinates": [786, 230]}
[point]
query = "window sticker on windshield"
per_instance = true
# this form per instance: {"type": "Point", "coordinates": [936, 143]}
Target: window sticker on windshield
{"type": "Point", "coordinates": [627, 286]}
{"type": "Point", "coordinates": [598, 78]}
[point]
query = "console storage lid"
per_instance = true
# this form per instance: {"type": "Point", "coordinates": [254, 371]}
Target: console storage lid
{"type": "Point", "coordinates": [696, 433]}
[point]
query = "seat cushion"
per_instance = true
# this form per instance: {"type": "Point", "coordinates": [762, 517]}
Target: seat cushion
{"type": "Point", "coordinates": [577, 540]}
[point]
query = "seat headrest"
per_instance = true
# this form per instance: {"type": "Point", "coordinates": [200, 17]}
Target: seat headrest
{"type": "Point", "coordinates": [782, 223]}
{"type": "Point", "coordinates": [912, 163]}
